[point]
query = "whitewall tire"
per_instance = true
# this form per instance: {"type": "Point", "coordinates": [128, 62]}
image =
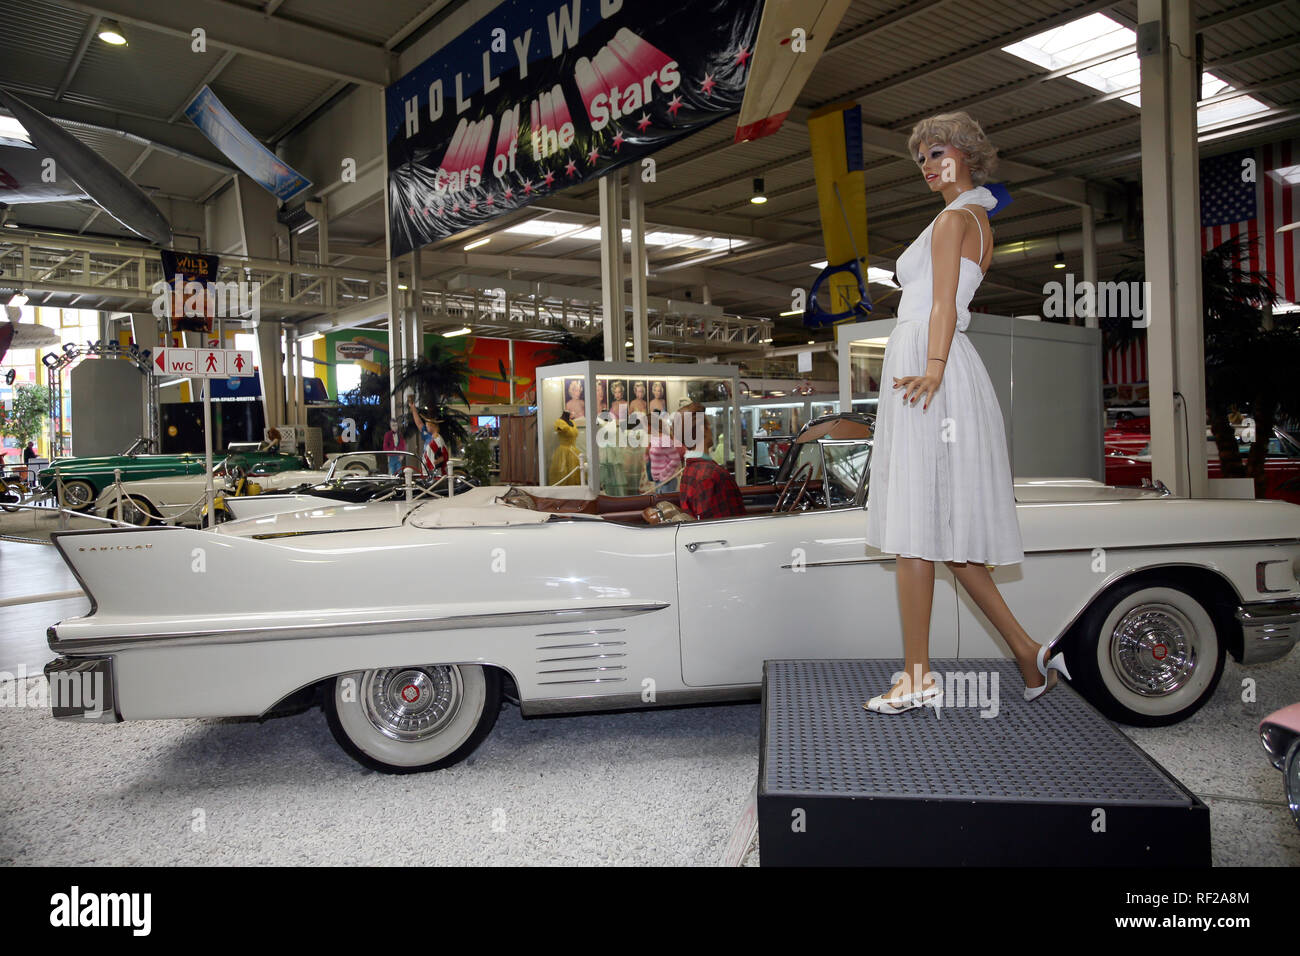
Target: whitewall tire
{"type": "Point", "coordinates": [416, 718]}
{"type": "Point", "coordinates": [1148, 653]}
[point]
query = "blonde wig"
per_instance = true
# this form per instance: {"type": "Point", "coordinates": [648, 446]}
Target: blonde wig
{"type": "Point", "coordinates": [962, 132]}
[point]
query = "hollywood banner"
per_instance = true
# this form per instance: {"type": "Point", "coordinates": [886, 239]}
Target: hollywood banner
{"type": "Point", "coordinates": [538, 96]}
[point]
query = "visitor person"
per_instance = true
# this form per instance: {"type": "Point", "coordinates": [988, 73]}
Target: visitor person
{"type": "Point", "coordinates": [435, 452]}
{"type": "Point", "coordinates": [393, 441]}
{"type": "Point", "coordinates": [707, 489]}
{"type": "Point", "coordinates": [665, 454]}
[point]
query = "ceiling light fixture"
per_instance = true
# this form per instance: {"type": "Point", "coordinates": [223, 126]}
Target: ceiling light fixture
{"type": "Point", "coordinates": [758, 198]}
{"type": "Point", "coordinates": [1060, 261]}
{"type": "Point", "coordinates": [480, 242]}
{"type": "Point", "coordinates": [455, 332]}
{"type": "Point", "coordinates": [111, 33]}
{"type": "Point", "coordinates": [793, 312]}
{"type": "Point", "coordinates": [11, 225]}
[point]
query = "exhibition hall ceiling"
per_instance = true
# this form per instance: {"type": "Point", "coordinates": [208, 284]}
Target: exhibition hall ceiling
{"type": "Point", "coordinates": [1061, 109]}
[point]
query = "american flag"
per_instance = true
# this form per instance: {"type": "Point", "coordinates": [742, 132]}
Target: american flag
{"type": "Point", "coordinates": [1127, 365]}
{"type": "Point", "coordinates": [1233, 207]}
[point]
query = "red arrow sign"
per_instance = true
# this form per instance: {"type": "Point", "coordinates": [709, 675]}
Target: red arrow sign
{"type": "Point", "coordinates": [158, 359]}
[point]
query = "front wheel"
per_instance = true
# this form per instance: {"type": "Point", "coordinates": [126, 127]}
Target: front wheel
{"type": "Point", "coordinates": [413, 719]}
{"type": "Point", "coordinates": [78, 495]}
{"type": "Point", "coordinates": [1291, 774]}
{"type": "Point", "coordinates": [1147, 653]}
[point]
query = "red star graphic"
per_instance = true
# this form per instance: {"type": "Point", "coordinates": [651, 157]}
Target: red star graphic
{"type": "Point", "coordinates": [473, 204]}
{"type": "Point", "coordinates": [592, 157]}
{"type": "Point", "coordinates": [571, 169]}
{"type": "Point", "coordinates": [674, 105]}
{"type": "Point", "coordinates": [411, 210]}
{"type": "Point", "coordinates": [706, 87]}
{"type": "Point", "coordinates": [510, 194]}
{"type": "Point", "coordinates": [438, 211]}
{"type": "Point", "coordinates": [743, 57]}
{"type": "Point", "coordinates": [528, 187]}
{"type": "Point", "coordinates": [426, 210]}
{"type": "Point", "coordinates": [549, 178]}
{"type": "Point", "coordinates": [490, 201]}
{"type": "Point", "coordinates": [642, 123]}
{"type": "Point", "coordinates": [618, 140]}
{"type": "Point", "coordinates": [455, 209]}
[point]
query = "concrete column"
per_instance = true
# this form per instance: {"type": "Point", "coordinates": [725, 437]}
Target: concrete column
{"type": "Point", "coordinates": [413, 347]}
{"type": "Point", "coordinates": [1089, 261]}
{"type": "Point", "coordinates": [270, 359]}
{"type": "Point", "coordinates": [611, 266]}
{"type": "Point", "coordinates": [640, 266]}
{"type": "Point", "coordinates": [1171, 211]}
{"type": "Point", "coordinates": [394, 334]}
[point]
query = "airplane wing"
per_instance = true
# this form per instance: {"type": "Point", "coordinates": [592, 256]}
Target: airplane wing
{"type": "Point", "coordinates": [20, 177]}
{"type": "Point", "coordinates": [15, 334]}
{"type": "Point", "coordinates": [77, 166]}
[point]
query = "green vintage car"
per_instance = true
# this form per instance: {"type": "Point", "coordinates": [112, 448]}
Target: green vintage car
{"type": "Point", "coordinates": [84, 478]}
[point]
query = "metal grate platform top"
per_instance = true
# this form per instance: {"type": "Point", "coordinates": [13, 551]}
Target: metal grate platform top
{"type": "Point", "coordinates": [818, 740]}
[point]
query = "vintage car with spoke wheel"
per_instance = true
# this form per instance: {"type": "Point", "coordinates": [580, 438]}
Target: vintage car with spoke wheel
{"type": "Point", "coordinates": [411, 622]}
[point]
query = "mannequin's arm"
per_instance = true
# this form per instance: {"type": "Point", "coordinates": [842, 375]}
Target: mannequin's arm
{"type": "Point", "coordinates": [945, 252]}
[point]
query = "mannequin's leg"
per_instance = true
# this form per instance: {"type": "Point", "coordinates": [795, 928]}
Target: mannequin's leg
{"type": "Point", "coordinates": [915, 599]}
{"type": "Point", "coordinates": [979, 584]}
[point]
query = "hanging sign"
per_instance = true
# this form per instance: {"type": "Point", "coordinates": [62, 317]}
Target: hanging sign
{"type": "Point", "coordinates": [536, 97]}
{"type": "Point", "coordinates": [187, 275]}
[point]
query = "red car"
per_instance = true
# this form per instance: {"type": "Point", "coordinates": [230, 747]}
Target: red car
{"type": "Point", "coordinates": [1128, 436]}
{"type": "Point", "coordinates": [1281, 466]}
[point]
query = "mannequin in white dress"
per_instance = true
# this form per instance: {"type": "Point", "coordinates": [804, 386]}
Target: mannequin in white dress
{"type": "Point", "coordinates": [941, 486]}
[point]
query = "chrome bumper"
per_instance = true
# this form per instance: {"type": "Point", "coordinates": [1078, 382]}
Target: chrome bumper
{"type": "Point", "coordinates": [81, 689]}
{"type": "Point", "coordinates": [1269, 629]}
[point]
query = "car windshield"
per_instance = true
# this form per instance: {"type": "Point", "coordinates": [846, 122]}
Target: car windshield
{"type": "Point", "coordinates": [839, 465]}
{"type": "Point", "coordinates": [363, 464]}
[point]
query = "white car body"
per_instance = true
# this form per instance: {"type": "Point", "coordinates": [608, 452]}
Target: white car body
{"type": "Point", "coordinates": [587, 614]}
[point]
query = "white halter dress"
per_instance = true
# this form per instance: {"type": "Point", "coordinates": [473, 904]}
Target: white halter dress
{"type": "Point", "coordinates": [940, 485]}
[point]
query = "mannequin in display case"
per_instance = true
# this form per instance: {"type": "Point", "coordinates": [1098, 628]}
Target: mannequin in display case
{"type": "Point", "coordinates": [941, 486]}
{"type": "Point", "coordinates": [564, 468]}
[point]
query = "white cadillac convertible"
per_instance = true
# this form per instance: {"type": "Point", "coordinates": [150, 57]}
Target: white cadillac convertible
{"type": "Point", "coordinates": [410, 622]}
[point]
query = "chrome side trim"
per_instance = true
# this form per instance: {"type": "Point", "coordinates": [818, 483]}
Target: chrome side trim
{"type": "Point", "coordinates": [884, 558]}
{"type": "Point", "coordinates": [81, 646]}
{"type": "Point", "coordinates": [588, 680]}
{"type": "Point", "coordinates": [584, 670]}
{"type": "Point", "coordinates": [593, 703]}
{"type": "Point", "coordinates": [590, 630]}
{"type": "Point", "coordinates": [1269, 629]}
{"type": "Point", "coordinates": [577, 657]}
{"type": "Point", "coordinates": [570, 647]}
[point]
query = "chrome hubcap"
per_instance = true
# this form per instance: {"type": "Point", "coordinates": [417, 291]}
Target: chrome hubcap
{"type": "Point", "coordinates": [1153, 649]}
{"type": "Point", "coordinates": [76, 495]}
{"type": "Point", "coordinates": [412, 703]}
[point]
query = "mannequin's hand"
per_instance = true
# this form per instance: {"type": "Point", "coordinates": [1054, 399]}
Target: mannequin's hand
{"type": "Point", "coordinates": [919, 386]}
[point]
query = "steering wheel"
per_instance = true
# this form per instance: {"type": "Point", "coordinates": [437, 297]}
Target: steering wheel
{"type": "Point", "coordinates": [780, 498]}
{"type": "Point", "coordinates": [356, 468]}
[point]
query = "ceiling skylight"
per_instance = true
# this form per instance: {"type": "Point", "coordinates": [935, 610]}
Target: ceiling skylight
{"type": "Point", "coordinates": [546, 227]}
{"type": "Point", "coordinates": [1097, 35]}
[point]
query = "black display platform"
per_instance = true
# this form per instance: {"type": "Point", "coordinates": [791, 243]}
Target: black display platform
{"type": "Point", "coordinates": [1046, 783]}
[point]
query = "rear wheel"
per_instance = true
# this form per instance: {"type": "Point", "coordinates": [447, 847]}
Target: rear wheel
{"type": "Point", "coordinates": [413, 719]}
{"type": "Point", "coordinates": [1148, 653]}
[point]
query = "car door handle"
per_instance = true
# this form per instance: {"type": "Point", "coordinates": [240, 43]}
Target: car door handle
{"type": "Point", "coordinates": [696, 545]}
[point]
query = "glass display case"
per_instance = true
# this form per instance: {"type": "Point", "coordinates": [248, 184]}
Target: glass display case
{"type": "Point", "coordinates": [596, 420]}
{"type": "Point", "coordinates": [770, 425]}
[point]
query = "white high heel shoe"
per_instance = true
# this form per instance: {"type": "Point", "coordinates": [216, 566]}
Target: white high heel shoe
{"type": "Point", "coordinates": [1057, 663]}
{"type": "Point", "coordinates": [928, 697]}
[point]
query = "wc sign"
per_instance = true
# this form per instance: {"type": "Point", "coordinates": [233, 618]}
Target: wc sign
{"type": "Point", "coordinates": [204, 363]}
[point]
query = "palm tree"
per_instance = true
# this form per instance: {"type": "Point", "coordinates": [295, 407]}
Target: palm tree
{"type": "Point", "coordinates": [1249, 366]}
{"type": "Point", "coordinates": [439, 380]}
{"type": "Point", "coordinates": [573, 348]}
